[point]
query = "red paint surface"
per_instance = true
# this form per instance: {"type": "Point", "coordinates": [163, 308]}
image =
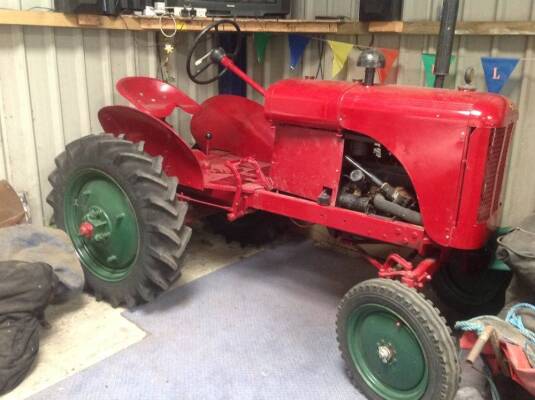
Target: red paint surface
{"type": "Point", "coordinates": [304, 170]}
{"type": "Point", "coordinates": [154, 96]}
{"type": "Point", "coordinates": [86, 230]}
{"type": "Point", "coordinates": [279, 158]}
{"type": "Point", "coordinates": [227, 63]}
{"type": "Point", "coordinates": [361, 224]}
{"type": "Point", "coordinates": [520, 369]}
{"type": "Point", "coordinates": [237, 125]}
{"type": "Point", "coordinates": [429, 132]}
{"type": "Point", "coordinates": [160, 140]}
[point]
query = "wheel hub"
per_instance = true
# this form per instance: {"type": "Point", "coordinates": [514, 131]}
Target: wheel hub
{"type": "Point", "coordinates": [86, 230]}
{"type": "Point", "coordinates": [96, 225]}
{"type": "Point", "coordinates": [386, 353]}
{"type": "Point", "coordinates": [102, 224]}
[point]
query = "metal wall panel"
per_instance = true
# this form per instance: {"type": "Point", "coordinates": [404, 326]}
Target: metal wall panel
{"type": "Point", "coordinates": [54, 81]}
{"type": "Point", "coordinates": [52, 84]}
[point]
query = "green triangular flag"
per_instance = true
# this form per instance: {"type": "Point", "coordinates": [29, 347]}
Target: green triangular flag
{"type": "Point", "coordinates": [429, 66]}
{"type": "Point", "coordinates": [261, 40]}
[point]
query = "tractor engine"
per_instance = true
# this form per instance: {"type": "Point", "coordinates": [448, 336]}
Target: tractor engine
{"type": "Point", "coordinates": [374, 182]}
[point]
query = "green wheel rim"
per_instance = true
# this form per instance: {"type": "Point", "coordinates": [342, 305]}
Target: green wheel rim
{"type": "Point", "coordinates": [387, 353]}
{"type": "Point", "coordinates": [93, 197]}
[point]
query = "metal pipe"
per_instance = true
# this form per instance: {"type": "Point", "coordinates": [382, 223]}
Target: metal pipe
{"type": "Point", "coordinates": [228, 63]}
{"type": "Point", "coordinates": [380, 203]}
{"type": "Point", "coordinates": [448, 22]}
{"type": "Point", "coordinates": [369, 76]}
{"type": "Point", "coordinates": [372, 177]}
{"type": "Point", "coordinates": [352, 202]}
{"type": "Point", "coordinates": [384, 187]}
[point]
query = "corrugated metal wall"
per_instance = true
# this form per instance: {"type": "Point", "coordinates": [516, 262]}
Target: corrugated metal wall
{"type": "Point", "coordinates": [53, 82]}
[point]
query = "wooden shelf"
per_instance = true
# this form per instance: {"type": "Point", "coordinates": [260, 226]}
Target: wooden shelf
{"type": "Point", "coordinates": [334, 27]}
{"type": "Point", "coordinates": [134, 23]}
{"type": "Point", "coordinates": [473, 28]}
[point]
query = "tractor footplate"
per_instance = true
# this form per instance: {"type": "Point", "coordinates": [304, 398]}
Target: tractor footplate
{"type": "Point", "coordinates": [238, 209]}
{"type": "Point", "coordinates": [227, 172]}
{"type": "Point", "coordinates": [233, 178]}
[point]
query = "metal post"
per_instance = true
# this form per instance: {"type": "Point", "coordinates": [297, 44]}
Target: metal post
{"type": "Point", "coordinates": [448, 22]}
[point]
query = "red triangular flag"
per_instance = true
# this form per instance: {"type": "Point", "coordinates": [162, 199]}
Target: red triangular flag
{"type": "Point", "coordinates": [391, 56]}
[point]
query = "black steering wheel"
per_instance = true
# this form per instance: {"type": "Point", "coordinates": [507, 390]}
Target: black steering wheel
{"type": "Point", "coordinates": [197, 66]}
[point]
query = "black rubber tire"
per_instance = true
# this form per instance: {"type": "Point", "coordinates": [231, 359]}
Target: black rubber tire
{"type": "Point", "coordinates": [425, 320]}
{"type": "Point", "coordinates": [160, 216]}
{"type": "Point", "coordinates": [479, 294]}
{"type": "Point", "coordinates": [256, 229]}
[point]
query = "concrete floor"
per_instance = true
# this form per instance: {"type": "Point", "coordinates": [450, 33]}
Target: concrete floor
{"type": "Point", "coordinates": [85, 332]}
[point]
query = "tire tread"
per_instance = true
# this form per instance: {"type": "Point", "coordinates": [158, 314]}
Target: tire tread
{"type": "Point", "coordinates": [428, 316]}
{"type": "Point", "coordinates": [161, 214]}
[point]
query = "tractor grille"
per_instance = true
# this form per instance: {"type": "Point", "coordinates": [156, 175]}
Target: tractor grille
{"type": "Point", "coordinates": [494, 172]}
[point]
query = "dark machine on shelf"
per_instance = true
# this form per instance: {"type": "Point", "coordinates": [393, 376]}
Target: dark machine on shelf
{"type": "Point", "coordinates": [107, 7]}
{"type": "Point", "coordinates": [380, 10]}
{"type": "Point", "coordinates": [237, 8]}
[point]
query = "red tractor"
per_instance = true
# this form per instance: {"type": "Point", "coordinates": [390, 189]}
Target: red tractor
{"type": "Point", "coordinates": [414, 167]}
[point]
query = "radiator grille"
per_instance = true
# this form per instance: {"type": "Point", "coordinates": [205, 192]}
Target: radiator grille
{"type": "Point", "coordinates": [494, 172]}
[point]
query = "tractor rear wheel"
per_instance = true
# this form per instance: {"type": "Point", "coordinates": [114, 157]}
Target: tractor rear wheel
{"type": "Point", "coordinates": [395, 344]}
{"type": "Point", "coordinates": [466, 284]}
{"type": "Point", "coordinates": [121, 213]}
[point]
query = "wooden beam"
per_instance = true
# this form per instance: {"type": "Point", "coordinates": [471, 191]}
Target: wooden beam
{"type": "Point", "coordinates": [88, 20]}
{"type": "Point", "coordinates": [386, 27]}
{"type": "Point", "coordinates": [128, 22]}
{"type": "Point", "coordinates": [334, 27]}
{"type": "Point", "coordinates": [60, 20]}
{"type": "Point", "coordinates": [468, 28]}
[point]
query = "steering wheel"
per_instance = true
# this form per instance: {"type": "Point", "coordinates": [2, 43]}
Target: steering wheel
{"type": "Point", "coordinates": [196, 67]}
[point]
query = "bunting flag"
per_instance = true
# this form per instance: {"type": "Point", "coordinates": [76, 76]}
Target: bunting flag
{"type": "Point", "coordinates": [298, 44]}
{"type": "Point", "coordinates": [429, 66]}
{"type": "Point", "coordinates": [340, 51]}
{"type": "Point", "coordinates": [391, 55]}
{"type": "Point", "coordinates": [498, 71]}
{"type": "Point", "coordinates": [261, 40]}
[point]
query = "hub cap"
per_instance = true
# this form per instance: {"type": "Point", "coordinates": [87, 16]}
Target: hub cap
{"type": "Point", "coordinates": [387, 353]}
{"type": "Point", "coordinates": [102, 224]}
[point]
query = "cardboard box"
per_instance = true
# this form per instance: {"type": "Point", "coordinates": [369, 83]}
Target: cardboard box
{"type": "Point", "coordinates": [11, 208]}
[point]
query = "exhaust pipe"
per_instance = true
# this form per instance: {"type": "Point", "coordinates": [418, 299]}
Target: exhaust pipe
{"type": "Point", "coordinates": [448, 22]}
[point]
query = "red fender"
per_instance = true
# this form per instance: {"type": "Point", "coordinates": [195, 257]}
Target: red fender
{"type": "Point", "coordinates": [155, 97]}
{"type": "Point", "coordinates": [160, 140]}
{"type": "Point", "coordinates": [238, 125]}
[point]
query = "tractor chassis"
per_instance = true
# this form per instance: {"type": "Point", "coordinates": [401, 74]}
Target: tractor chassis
{"type": "Point", "coordinates": [244, 182]}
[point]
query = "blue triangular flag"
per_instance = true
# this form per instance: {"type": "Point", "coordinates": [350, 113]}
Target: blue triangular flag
{"type": "Point", "coordinates": [298, 44]}
{"type": "Point", "coordinates": [497, 71]}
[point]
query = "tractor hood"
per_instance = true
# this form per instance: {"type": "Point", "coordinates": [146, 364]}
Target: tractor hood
{"type": "Point", "coordinates": [338, 105]}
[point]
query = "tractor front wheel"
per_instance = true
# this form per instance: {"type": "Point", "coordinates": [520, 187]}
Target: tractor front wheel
{"type": "Point", "coordinates": [395, 344]}
{"type": "Point", "coordinates": [121, 213]}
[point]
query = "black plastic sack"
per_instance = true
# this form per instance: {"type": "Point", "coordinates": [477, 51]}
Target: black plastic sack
{"type": "Point", "coordinates": [52, 246]}
{"type": "Point", "coordinates": [517, 250]}
{"type": "Point", "coordinates": [25, 290]}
